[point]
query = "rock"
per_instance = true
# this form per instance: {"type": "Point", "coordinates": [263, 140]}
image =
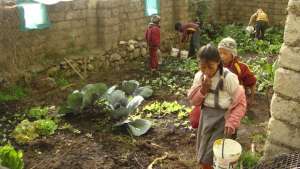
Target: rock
{"type": "Point", "coordinates": [121, 62]}
{"type": "Point", "coordinates": [130, 48]}
{"type": "Point", "coordinates": [144, 52]}
{"type": "Point", "coordinates": [136, 53]}
{"type": "Point", "coordinates": [107, 64]}
{"type": "Point", "coordinates": [144, 44]}
{"type": "Point", "coordinates": [2, 80]}
{"type": "Point", "coordinates": [102, 58]}
{"type": "Point", "coordinates": [52, 71]}
{"type": "Point", "coordinates": [122, 43]}
{"type": "Point", "coordinates": [115, 57]}
{"type": "Point", "coordinates": [90, 67]}
{"type": "Point", "coordinates": [35, 69]}
{"type": "Point", "coordinates": [123, 53]}
{"type": "Point", "coordinates": [139, 38]}
{"type": "Point", "coordinates": [91, 58]}
{"type": "Point", "coordinates": [132, 42]}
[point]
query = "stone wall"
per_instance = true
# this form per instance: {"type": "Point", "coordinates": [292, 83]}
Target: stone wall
{"type": "Point", "coordinates": [73, 28]}
{"type": "Point", "coordinates": [284, 126]}
{"type": "Point", "coordinates": [239, 11]}
{"type": "Point", "coordinates": [125, 19]}
{"type": "Point", "coordinates": [77, 25]}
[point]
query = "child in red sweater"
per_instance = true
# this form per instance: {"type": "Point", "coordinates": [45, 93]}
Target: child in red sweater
{"type": "Point", "coordinates": [152, 37]}
{"type": "Point", "coordinates": [228, 51]}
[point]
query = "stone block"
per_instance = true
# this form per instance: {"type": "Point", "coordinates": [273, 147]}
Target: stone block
{"type": "Point", "coordinates": [283, 133]}
{"type": "Point", "coordinates": [63, 25]}
{"type": "Point", "coordinates": [80, 4]}
{"type": "Point", "coordinates": [60, 7]}
{"type": "Point", "coordinates": [57, 16]}
{"type": "Point", "coordinates": [115, 12]}
{"type": "Point", "coordinates": [78, 24]}
{"type": "Point", "coordinates": [76, 14]}
{"type": "Point", "coordinates": [91, 13]}
{"type": "Point", "coordinates": [285, 110]}
{"type": "Point", "coordinates": [289, 57]}
{"type": "Point", "coordinates": [294, 7]}
{"type": "Point", "coordinates": [92, 4]}
{"type": "Point", "coordinates": [272, 150]}
{"type": "Point", "coordinates": [105, 13]}
{"type": "Point", "coordinates": [292, 32]}
{"type": "Point", "coordinates": [287, 83]}
{"type": "Point", "coordinates": [92, 22]}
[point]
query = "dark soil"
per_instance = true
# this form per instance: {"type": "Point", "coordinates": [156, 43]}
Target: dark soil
{"type": "Point", "coordinates": [94, 145]}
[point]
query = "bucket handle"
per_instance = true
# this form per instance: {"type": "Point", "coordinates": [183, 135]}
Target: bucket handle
{"type": "Point", "coordinates": [223, 142]}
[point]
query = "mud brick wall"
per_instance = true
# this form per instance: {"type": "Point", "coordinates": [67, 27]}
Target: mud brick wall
{"type": "Point", "coordinates": [78, 24]}
{"type": "Point", "coordinates": [284, 126]}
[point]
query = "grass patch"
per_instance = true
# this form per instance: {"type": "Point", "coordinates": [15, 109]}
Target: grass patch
{"type": "Point", "coordinates": [249, 160]}
{"type": "Point", "coordinates": [259, 138]}
{"type": "Point", "coordinates": [12, 93]}
{"type": "Point", "coordinates": [247, 120]}
{"type": "Point", "coordinates": [61, 80]}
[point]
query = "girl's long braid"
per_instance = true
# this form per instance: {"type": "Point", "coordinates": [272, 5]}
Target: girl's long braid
{"type": "Point", "coordinates": [221, 70]}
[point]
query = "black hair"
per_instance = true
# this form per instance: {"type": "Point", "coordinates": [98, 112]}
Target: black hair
{"type": "Point", "coordinates": [178, 26]}
{"type": "Point", "coordinates": [210, 53]}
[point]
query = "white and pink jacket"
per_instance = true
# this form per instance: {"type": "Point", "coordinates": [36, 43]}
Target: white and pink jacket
{"type": "Point", "coordinates": [236, 110]}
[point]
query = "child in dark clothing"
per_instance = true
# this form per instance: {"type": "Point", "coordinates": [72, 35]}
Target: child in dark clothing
{"type": "Point", "coordinates": [228, 51]}
{"type": "Point", "coordinates": [152, 36]}
{"type": "Point", "coordinates": [189, 29]}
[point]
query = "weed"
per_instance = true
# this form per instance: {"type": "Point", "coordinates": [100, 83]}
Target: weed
{"type": "Point", "coordinates": [12, 93]}
{"type": "Point", "coordinates": [249, 160]}
{"type": "Point", "coordinates": [247, 121]}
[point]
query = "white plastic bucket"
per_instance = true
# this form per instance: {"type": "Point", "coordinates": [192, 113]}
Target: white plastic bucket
{"type": "Point", "coordinates": [174, 52]}
{"type": "Point", "coordinates": [250, 29]}
{"type": "Point", "coordinates": [184, 54]}
{"type": "Point", "coordinates": [231, 154]}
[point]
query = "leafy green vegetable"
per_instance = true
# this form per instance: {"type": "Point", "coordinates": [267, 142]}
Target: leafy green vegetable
{"type": "Point", "coordinates": [79, 100]}
{"type": "Point", "coordinates": [24, 132]}
{"type": "Point", "coordinates": [45, 127]}
{"type": "Point", "coordinates": [166, 108]}
{"type": "Point", "coordinates": [116, 99]}
{"type": "Point", "coordinates": [120, 105]}
{"type": "Point", "coordinates": [91, 92]}
{"type": "Point", "coordinates": [264, 71]}
{"type": "Point", "coordinates": [74, 101]}
{"type": "Point", "coordinates": [38, 112]}
{"type": "Point", "coordinates": [270, 45]}
{"type": "Point", "coordinates": [145, 92]}
{"type": "Point", "coordinates": [11, 158]}
{"type": "Point", "coordinates": [129, 86]}
{"type": "Point", "coordinates": [139, 127]}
